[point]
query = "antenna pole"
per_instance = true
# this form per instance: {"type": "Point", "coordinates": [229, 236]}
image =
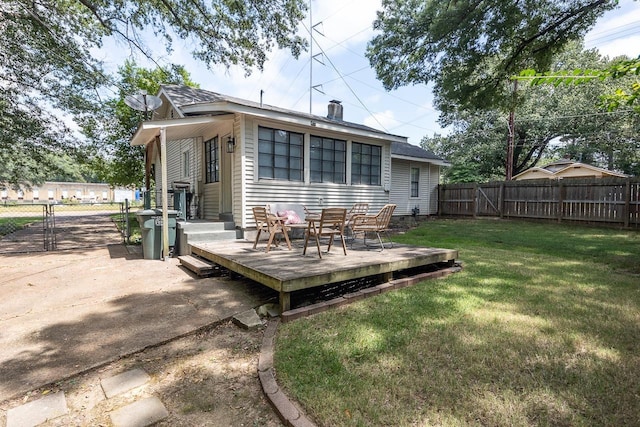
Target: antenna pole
{"type": "Point", "coordinates": [310, 57]}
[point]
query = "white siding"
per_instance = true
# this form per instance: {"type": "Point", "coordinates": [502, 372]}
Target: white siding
{"type": "Point", "coordinates": [314, 196]}
{"type": "Point", "coordinates": [427, 188]}
{"type": "Point", "coordinates": [211, 202]}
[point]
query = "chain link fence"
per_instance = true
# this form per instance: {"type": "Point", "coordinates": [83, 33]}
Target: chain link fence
{"type": "Point", "coordinates": [48, 227]}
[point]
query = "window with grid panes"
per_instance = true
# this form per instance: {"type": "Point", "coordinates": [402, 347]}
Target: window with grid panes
{"type": "Point", "coordinates": [415, 182]}
{"type": "Point", "coordinates": [328, 160]}
{"type": "Point", "coordinates": [212, 160]}
{"type": "Point", "coordinates": [280, 154]}
{"type": "Point", "coordinates": [366, 164]}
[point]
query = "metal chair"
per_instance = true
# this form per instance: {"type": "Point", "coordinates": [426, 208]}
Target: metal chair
{"type": "Point", "coordinates": [378, 223]}
{"type": "Point", "coordinates": [271, 224]}
{"type": "Point", "coordinates": [330, 224]}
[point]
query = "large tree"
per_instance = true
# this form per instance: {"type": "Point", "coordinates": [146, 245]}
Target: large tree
{"type": "Point", "coordinates": [550, 122]}
{"type": "Point", "coordinates": [109, 130]}
{"type": "Point", "coordinates": [470, 48]}
{"type": "Point", "coordinates": [49, 76]}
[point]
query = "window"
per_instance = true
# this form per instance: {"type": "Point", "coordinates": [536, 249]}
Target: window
{"type": "Point", "coordinates": [328, 160]}
{"type": "Point", "coordinates": [366, 161]}
{"type": "Point", "coordinates": [280, 154]}
{"type": "Point", "coordinates": [212, 160]}
{"type": "Point", "coordinates": [415, 181]}
{"type": "Point", "coordinates": [186, 166]}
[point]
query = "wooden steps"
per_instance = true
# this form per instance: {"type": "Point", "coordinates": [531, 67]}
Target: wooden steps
{"type": "Point", "coordinates": [200, 266]}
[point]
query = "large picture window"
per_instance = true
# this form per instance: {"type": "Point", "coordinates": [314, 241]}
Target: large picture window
{"type": "Point", "coordinates": [212, 160]}
{"type": "Point", "coordinates": [280, 154]}
{"type": "Point", "coordinates": [328, 160]}
{"type": "Point", "coordinates": [366, 161]}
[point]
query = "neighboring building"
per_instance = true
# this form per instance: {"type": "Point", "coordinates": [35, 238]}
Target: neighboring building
{"type": "Point", "coordinates": [233, 154]}
{"type": "Point", "coordinates": [55, 192]}
{"type": "Point", "coordinates": [567, 169]}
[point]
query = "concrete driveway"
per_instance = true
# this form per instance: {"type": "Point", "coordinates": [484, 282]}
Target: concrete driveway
{"type": "Point", "coordinates": [65, 312]}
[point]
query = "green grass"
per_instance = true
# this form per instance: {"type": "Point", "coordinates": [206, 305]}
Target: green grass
{"type": "Point", "coordinates": [135, 235]}
{"type": "Point", "coordinates": [540, 328]}
{"type": "Point", "coordinates": [13, 224]}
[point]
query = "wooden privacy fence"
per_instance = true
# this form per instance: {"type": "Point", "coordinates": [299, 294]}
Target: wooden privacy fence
{"type": "Point", "coordinates": [612, 201]}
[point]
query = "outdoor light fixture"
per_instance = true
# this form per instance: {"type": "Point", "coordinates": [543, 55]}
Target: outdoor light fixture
{"type": "Point", "coordinates": [231, 144]}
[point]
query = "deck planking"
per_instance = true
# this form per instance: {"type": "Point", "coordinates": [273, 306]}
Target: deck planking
{"type": "Point", "coordinates": [287, 271]}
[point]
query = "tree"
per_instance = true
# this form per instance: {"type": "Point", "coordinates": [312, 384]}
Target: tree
{"type": "Point", "coordinates": [109, 131]}
{"type": "Point", "coordinates": [49, 77]}
{"type": "Point", "coordinates": [551, 122]}
{"type": "Point", "coordinates": [469, 49]}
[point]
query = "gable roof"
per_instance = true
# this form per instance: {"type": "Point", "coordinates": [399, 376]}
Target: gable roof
{"type": "Point", "coordinates": [404, 150]}
{"type": "Point", "coordinates": [189, 101]}
{"type": "Point", "coordinates": [566, 169]}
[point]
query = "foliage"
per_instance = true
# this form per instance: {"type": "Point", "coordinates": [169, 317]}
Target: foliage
{"type": "Point", "coordinates": [49, 76]}
{"type": "Point", "coordinates": [551, 122]}
{"type": "Point", "coordinates": [538, 312]}
{"type": "Point", "coordinates": [618, 69]}
{"type": "Point", "coordinates": [109, 130]}
{"type": "Point", "coordinates": [469, 49]}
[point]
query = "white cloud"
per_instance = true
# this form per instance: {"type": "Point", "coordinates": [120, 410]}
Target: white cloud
{"type": "Point", "coordinates": [385, 118]}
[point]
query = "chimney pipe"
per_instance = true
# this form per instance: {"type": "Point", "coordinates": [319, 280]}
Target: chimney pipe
{"type": "Point", "coordinates": [335, 110]}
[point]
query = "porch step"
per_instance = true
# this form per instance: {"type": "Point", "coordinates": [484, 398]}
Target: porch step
{"type": "Point", "coordinates": [189, 232]}
{"type": "Point", "coordinates": [198, 265]}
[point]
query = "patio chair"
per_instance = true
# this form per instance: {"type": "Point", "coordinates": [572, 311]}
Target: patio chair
{"type": "Point", "coordinates": [358, 209]}
{"type": "Point", "coordinates": [330, 224]}
{"type": "Point", "coordinates": [378, 224]}
{"type": "Point", "coordinates": [271, 224]}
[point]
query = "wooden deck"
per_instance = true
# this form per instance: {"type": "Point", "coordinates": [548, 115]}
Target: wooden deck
{"type": "Point", "coordinates": [288, 271]}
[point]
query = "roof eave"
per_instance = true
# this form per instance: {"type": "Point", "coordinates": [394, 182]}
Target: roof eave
{"type": "Point", "coordinates": [439, 162]}
{"type": "Point", "coordinates": [319, 123]}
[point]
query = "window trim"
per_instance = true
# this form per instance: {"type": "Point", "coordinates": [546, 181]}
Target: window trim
{"type": "Point", "coordinates": [413, 183]}
{"type": "Point", "coordinates": [322, 172]}
{"type": "Point", "coordinates": [370, 164]}
{"type": "Point", "coordinates": [275, 156]}
{"type": "Point", "coordinates": [215, 167]}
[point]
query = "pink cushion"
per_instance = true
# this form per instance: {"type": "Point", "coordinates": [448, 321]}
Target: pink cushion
{"type": "Point", "coordinates": [292, 217]}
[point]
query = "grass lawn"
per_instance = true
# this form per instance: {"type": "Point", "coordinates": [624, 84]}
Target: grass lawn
{"type": "Point", "coordinates": [542, 327]}
{"type": "Point", "coordinates": [135, 235]}
{"type": "Point", "coordinates": [13, 224]}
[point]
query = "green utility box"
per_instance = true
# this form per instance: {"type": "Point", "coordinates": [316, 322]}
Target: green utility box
{"type": "Point", "coordinates": [150, 221]}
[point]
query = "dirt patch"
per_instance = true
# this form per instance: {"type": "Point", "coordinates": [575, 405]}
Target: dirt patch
{"type": "Point", "coordinates": [207, 379]}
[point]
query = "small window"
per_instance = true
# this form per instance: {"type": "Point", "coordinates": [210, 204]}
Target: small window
{"type": "Point", "coordinates": [415, 182]}
{"type": "Point", "coordinates": [212, 160]}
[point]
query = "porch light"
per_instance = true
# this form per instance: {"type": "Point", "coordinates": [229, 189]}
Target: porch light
{"type": "Point", "coordinates": [231, 145]}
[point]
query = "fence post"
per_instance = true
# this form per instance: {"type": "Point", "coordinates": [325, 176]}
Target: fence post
{"type": "Point", "coordinates": [475, 200]}
{"type": "Point", "coordinates": [440, 194]}
{"type": "Point", "coordinates": [561, 196]}
{"type": "Point", "coordinates": [627, 203]}
{"type": "Point", "coordinates": [127, 234]}
{"type": "Point", "coordinates": [501, 200]}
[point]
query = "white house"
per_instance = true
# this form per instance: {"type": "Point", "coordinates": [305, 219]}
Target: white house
{"type": "Point", "coordinates": [235, 154]}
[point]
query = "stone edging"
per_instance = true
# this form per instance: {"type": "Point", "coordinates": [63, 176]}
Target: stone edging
{"type": "Point", "coordinates": [288, 411]}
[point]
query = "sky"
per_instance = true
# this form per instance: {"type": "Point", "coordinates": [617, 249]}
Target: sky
{"type": "Point", "coordinates": [343, 72]}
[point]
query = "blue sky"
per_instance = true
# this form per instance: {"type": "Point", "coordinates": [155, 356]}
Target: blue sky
{"type": "Point", "coordinates": [346, 28]}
